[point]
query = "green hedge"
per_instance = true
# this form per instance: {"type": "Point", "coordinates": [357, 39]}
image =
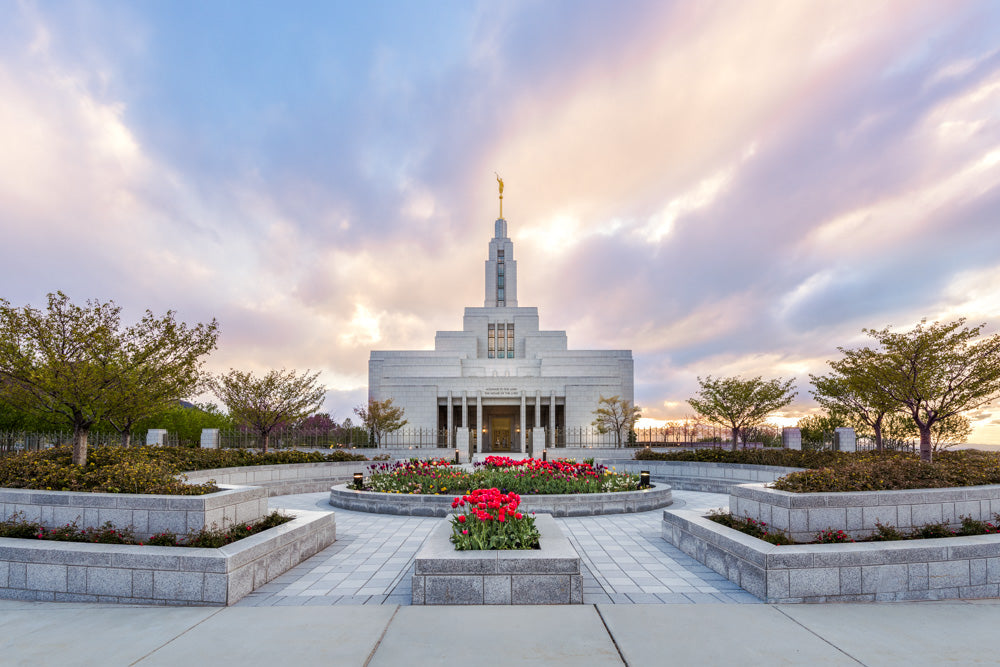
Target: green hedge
{"type": "Point", "coordinates": [138, 469]}
{"type": "Point", "coordinates": [855, 471]}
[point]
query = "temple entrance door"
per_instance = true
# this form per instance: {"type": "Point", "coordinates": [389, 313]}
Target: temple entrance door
{"type": "Point", "coordinates": [501, 434]}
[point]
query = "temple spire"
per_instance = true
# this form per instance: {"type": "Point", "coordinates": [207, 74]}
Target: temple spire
{"type": "Point", "coordinates": [500, 182]}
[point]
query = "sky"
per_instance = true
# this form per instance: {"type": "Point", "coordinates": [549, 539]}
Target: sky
{"type": "Point", "coordinates": [725, 188]}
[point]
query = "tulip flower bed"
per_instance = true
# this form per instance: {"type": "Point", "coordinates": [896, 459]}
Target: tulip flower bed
{"type": "Point", "coordinates": [491, 521]}
{"type": "Point", "coordinates": [524, 477]}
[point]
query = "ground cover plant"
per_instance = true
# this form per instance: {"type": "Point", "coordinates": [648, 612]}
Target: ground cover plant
{"type": "Point", "coordinates": [489, 520]}
{"type": "Point", "coordinates": [524, 476]}
{"type": "Point", "coordinates": [882, 533]}
{"type": "Point", "coordinates": [138, 469]}
{"type": "Point", "coordinates": [209, 538]}
{"type": "Point", "coordinates": [855, 471]}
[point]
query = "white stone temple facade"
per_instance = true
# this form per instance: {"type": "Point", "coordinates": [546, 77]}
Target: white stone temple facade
{"type": "Point", "coordinates": [500, 383]}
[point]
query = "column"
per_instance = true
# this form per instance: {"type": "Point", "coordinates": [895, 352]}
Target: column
{"type": "Point", "coordinates": [538, 408]}
{"type": "Point", "coordinates": [451, 420]}
{"type": "Point", "coordinates": [479, 421]}
{"type": "Point", "coordinates": [465, 409]}
{"type": "Point", "coordinates": [552, 419]}
{"type": "Point", "coordinates": [523, 445]}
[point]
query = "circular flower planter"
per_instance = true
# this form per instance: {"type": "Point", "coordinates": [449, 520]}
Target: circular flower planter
{"type": "Point", "coordinates": [571, 504]}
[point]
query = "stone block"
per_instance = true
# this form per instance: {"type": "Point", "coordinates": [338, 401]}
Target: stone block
{"type": "Point", "coordinates": [977, 571]}
{"type": "Point", "coordinates": [109, 581]}
{"type": "Point", "coordinates": [215, 588]}
{"type": "Point", "coordinates": [417, 589]}
{"type": "Point", "coordinates": [948, 574]}
{"type": "Point", "coordinates": [142, 583]}
{"type": "Point", "coordinates": [777, 584]}
{"type": "Point", "coordinates": [880, 579]}
{"type": "Point", "coordinates": [497, 590]}
{"type": "Point", "coordinates": [161, 521]}
{"type": "Point", "coordinates": [814, 581]}
{"type": "Point", "coordinates": [917, 576]}
{"type": "Point", "coordinates": [453, 589]}
{"type": "Point", "coordinates": [850, 581]}
{"type": "Point", "coordinates": [540, 589]}
{"type": "Point", "coordinates": [76, 579]}
{"type": "Point", "coordinates": [886, 515]}
{"type": "Point", "coordinates": [17, 577]}
{"type": "Point", "coordinates": [46, 577]}
{"type": "Point", "coordinates": [178, 585]}
{"type": "Point", "coordinates": [926, 513]}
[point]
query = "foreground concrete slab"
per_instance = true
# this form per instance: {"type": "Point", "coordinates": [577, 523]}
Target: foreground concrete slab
{"type": "Point", "coordinates": [944, 633]}
{"type": "Point", "coordinates": [497, 636]}
{"type": "Point", "coordinates": [297, 636]}
{"type": "Point", "coordinates": [87, 634]}
{"type": "Point", "coordinates": [717, 635]}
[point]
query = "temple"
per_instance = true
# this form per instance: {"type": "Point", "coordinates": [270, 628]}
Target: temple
{"type": "Point", "coordinates": [501, 384]}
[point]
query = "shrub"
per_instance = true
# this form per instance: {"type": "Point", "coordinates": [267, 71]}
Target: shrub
{"type": "Point", "coordinates": [139, 469]}
{"type": "Point", "coordinates": [831, 536]}
{"type": "Point", "coordinates": [752, 527]}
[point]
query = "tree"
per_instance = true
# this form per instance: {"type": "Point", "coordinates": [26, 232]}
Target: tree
{"type": "Point", "coordinates": [76, 362]}
{"type": "Point", "coordinates": [263, 404]}
{"type": "Point", "coordinates": [381, 417]}
{"type": "Point", "coordinates": [814, 428]}
{"type": "Point", "coordinates": [159, 363]}
{"type": "Point", "coordinates": [616, 415]}
{"type": "Point", "coordinates": [188, 420]}
{"type": "Point", "coordinates": [739, 404]}
{"type": "Point", "coordinates": [854, 390]}
{"type": "Point", "coordinates": [936, 372]}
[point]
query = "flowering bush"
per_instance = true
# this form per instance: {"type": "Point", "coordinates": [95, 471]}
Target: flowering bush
{"type": "Point", "coordinates": [752, 527]}
{"type": "Point", "coordinates": [491, 521]}
{"type": "Point", "coordinates": [831, 536]}
{"type": "Point", "coordinates": [17, 526]}
{"type": "Point", "coordinates": [524, 476]}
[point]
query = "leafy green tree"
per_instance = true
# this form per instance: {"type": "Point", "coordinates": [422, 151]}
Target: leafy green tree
{"type": "Point", "coordinates": [814, 428]}
{"type": "Point", "coordinates": [77, 363]}
{"type": "Point", "coordinates": [279, 398]}
{"type": "Point", "coordinates": [159, 363]}
{"type": "Point", "coordinates": [853, 389]}
{"type": "Point", "coordinates": [934, 372]}
{"type": "Point", "coordinates": [616, 415]}
{"type": "Point", "coordinates": [380, 418]}
{"type": "Point", "coordinates": [739, 404]}
{"type": "Point", "coordinates": [187, 420]}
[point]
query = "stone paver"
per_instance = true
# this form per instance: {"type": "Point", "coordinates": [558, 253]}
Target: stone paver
{"type": "Point", "coordinates": [625, 560]}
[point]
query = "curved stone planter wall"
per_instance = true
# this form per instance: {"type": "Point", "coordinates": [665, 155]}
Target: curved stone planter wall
{"type": "Point", "coordinates": [939, 569]}
{"type": "Point", "coordinates": [284, 479]}
{"type": "Point", "coordinates": [580, 504]}
{"type": "Point", "coordinates": [699, 476]}
{"type": "Point", "coordinates": [118, 573]}
{"type": "Point", "coordinates": [146, 514]}
{"type": "Point", "coordinates": [802, 515]}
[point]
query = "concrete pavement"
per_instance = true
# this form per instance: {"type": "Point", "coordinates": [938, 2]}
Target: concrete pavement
{"type": "Point", "coordinates": [924, 633]}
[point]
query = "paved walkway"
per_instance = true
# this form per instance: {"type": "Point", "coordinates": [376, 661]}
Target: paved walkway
{"type": "Point", "coordinates": [912, 634]}
{"type": "Point", "coordinates": [625, 560]}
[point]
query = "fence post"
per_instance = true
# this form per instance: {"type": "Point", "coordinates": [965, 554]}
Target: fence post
{"type": "Point", "coordinates": [210, 438]}
{"type": "Point", "coordinates": [791, 438]}
{"type": "Point", "coordinates": [156, 436]}
{"type": "Point", "coordinates": [845, 439]}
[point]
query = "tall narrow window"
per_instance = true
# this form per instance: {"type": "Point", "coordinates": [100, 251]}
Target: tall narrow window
{"type": "Point", "coordinates": [492, 341]}
{"type": "Point", "coordinates": [501, 301]}
{"type": "Point", "coordinates": [510, 341]}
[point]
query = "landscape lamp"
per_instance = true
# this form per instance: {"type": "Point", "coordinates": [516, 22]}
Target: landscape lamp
{"type": "Point", "coordinates": [358, 480]}
{"type": "Point", "coordinates": [644, 479]}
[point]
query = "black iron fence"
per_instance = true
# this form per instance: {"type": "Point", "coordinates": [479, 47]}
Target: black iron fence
{"type": "Point", "coordinates": [25, 441]}
{"type": "Point", "coordinates": [412, 438]}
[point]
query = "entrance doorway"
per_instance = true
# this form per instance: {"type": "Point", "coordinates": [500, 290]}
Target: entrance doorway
{"type": "Point", "coordinates": [500, 428]}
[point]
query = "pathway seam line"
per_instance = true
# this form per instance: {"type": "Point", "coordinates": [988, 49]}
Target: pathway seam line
{"type": "Point", "coordinates": [611, 635]}
{"type": "Point", "coordinates": [173, 639]}
{"type": "Point", "coordinates": [816, 634]}
{"type": "Point", "coordinates": [381, 637]}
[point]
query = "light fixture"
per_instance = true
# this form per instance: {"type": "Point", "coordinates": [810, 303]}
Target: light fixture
{"type": "Point", "coordinates": [644, 479]}
{"type": "Point", "coordinates": [456, 457]}
{"type": "Point", "coordinates": [358, 481]}
{"type": "Point", "coordinates": [545, 455]}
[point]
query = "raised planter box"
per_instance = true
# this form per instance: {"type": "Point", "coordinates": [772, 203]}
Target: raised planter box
{"type": "Point", "coordinates": [118, 573]}
{"type": "Point", "coordinates": [147, 514]}
{"type": "Point", "coordinates": [802, 515]}
{"type": "Point", "coordinates": [701, 476]}
{"type": "Point", "coordinates": [570, 504]}
{"type": "Point", "coordinates": [938, 569]}
{"type": "Point", "coordinates": [550, 575]}
{"type": "Point", "coordinates": [284, 479]}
